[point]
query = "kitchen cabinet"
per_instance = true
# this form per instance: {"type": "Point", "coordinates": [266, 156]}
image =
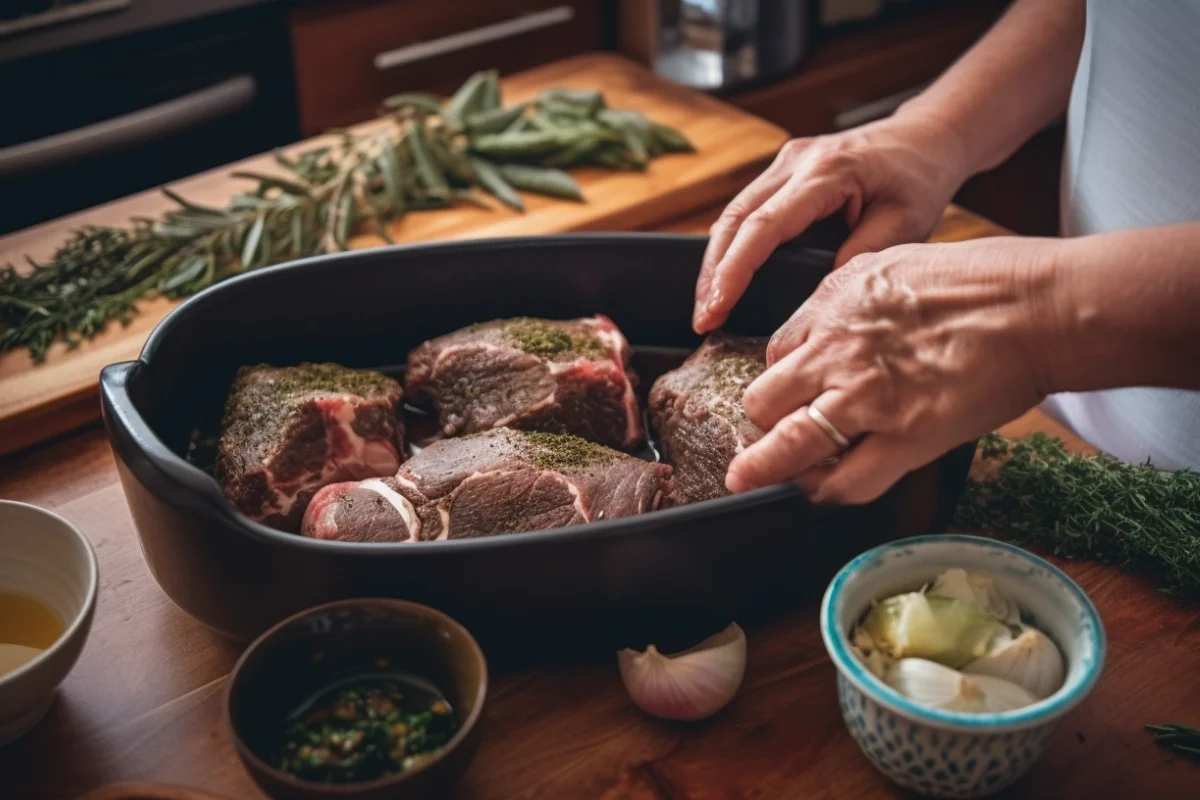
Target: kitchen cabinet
{"type": "Point", "coordinates": [350, 55]}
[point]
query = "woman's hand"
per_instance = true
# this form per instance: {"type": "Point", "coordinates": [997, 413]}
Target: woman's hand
{"type": "Point", "coordinates": [891, 178]}
{"type": "Point", "coordinates": [908, 353]}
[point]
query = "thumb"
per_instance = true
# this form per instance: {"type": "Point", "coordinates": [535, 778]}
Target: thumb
{"type": "Point", "coordinates": [881, 227]}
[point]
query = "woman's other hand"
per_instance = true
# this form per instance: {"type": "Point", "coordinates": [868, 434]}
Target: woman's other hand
{"type": "Point", "coordinates": [908, 353]}
{"type": "Point", "coordinates": [892, 179]}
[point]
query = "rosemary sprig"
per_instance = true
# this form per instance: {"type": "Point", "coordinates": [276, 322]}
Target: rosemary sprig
{"type": "Point", "coordinates": [1183, 739]}
{"type": "Point", "coordinates": [1143, 519]}
{"type": "Point", "coordinates": [432, 154]}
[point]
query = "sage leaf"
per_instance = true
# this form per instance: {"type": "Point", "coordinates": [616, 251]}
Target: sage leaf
{"type": "Point", "coordinates": [421, 101]}
{"type": "Point", "coordinates": [188, 271]}
{"type": "Point", "coordinates": [428, 170]}
{"type": "Point", "coordinates": [494, 120]}
{"type": "Point", "coordinates": [672, 140]}
{"type": "Point", "coordinates": [517, 145]}
{"type": "Point", "coordinates": [252, 239]}
{"type": "Point", "coordinates": [470, 97]}
{"type": "Point", "coordinates": [541, 180]}
{"type": "Point", "coordinates": [490, 177]}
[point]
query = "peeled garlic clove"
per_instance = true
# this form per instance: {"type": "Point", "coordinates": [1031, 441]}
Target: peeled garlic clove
{"type": "Point", "coordinates": [979, 592]}
{"type": "Point", "coordinates": [932, 685]}
{"type": "Point", "coordinates": [1031, 660]}
{"type": "Point", "coordinates": [937, 628]}
{"type": "Point", "coordinates": [690, 685]}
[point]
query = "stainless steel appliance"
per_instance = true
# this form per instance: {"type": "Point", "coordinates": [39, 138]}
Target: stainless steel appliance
{"type": "Point", "coordinates": [720, 44]}
{"type": "Point", "coordinates": [103, 98]}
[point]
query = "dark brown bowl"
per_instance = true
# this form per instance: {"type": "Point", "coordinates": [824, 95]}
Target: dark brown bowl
{"type": "Point", "coordinates": [314, 648]}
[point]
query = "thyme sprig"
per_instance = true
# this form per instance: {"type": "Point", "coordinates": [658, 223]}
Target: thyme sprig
{"type": "Point", "coordinates": [429, 154]}
{"type": "Point", "coordinates": [1182, 739]}
{"type": "Point", "coordinates": [1143, 519]}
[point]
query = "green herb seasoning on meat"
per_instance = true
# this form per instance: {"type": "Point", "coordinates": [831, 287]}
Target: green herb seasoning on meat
{"type": "Point", "coordinates": [544, 340]}
{"type": "Point", "coordinates": [366, 730]}
{"type": "Point", "coordinates": [562, 451]}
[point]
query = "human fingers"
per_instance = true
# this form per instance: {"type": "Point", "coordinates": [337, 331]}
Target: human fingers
{"type": "Point", "coordinates": [881, 227]}
{"type": "Point", "coordinates": [785, 386]}
{"type": "Point", "coordinates": [867, 470]}
{"type": "Point", "coordinates": [725, 228]}
{"type": "Point", "coordinates": [803, 200]}
{"type": "Point", "coordinates": [796, 443]}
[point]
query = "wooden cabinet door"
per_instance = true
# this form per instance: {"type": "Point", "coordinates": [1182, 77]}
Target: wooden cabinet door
{"type": "Point", "coordinates": [350, 55]}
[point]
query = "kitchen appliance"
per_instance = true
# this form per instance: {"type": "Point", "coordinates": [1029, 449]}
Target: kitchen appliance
{"type": "Point", "coordinates": [100, 106]}
{"type": "Point", "coordinates": [717, 44]}
{"type": "Point", "coordinates": [596, 585]}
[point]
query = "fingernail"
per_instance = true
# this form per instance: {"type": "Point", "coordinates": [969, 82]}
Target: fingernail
{"type": "Point", "coordinates": [734, 482]}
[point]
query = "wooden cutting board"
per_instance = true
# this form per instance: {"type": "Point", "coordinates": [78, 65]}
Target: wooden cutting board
{"type": "Point", "coordinates": [41, 401]}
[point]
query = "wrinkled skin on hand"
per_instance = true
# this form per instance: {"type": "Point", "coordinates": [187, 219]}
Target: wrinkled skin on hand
{"type": "Point", "coordinates": [891, 180]}
{"type": "Point", "coordinates": [909, 353]}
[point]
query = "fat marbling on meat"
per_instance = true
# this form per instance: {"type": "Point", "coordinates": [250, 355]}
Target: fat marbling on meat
{"type": "Point", "coordinates": [288, 431]}
{"type": "Point", "coordinates": [555, 376]}
{"type": "Point", "coordinates": [495, 482]}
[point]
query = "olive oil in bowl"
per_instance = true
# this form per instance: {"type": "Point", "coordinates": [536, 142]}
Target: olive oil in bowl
{"type": "Point", "coordinates": [27, 627]}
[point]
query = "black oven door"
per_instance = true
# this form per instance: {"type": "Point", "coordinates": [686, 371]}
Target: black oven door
{"type": "Point", "coordinates": [95, 123]}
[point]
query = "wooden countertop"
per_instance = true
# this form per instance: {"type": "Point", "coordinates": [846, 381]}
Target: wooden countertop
{"type": "Point", "coordinates": [38, 402]}
{"type": "Point", "coordinates": [144, 701]}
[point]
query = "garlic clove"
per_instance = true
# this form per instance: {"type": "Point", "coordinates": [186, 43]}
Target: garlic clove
{"type": "Point", "coordinates": [1031, 660]}
{"type": "Point", "coordinates": [874, 659]}
{"type": "Point", "coordinates": [933, 685]}
{"type": "Point", "coordinates": [978, 591]}
{"type": "Point", "coordinates": [691, 685]}
{"type": "Point", "coordinates": [933, 627]}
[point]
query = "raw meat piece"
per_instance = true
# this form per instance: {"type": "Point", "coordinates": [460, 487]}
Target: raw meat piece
{"type": "Point", "coordinates": [539, 375]}
{"type": "Point", "coordinates": [288, 431]}
{"type": "Point", "coordinates": [697, 413]}
{"type": "Point", "coordinates": [499, 481]}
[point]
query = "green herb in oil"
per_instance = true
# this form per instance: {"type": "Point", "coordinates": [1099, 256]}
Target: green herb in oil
{"type": "Point", "coordinates": [365, 730]}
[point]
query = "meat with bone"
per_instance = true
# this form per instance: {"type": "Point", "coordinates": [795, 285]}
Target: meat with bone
{"type": "Point", "coordinates": [568, 376]}
{"type": "Point", "coordinates": [499, 481]}
{"type": "Point", "coordinates": [288, 431]}
{"type": "Point", "coordinates": [697, 413]}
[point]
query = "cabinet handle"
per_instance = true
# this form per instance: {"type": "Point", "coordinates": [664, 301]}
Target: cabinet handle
{"type": "Point", "coordinates": [876, 109]}
{"type": "Point", "coordinates": [145, 125]}
{"type": "Point", "coordinates": [488, 33]}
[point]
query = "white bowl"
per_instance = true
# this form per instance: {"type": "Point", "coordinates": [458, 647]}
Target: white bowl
{"type": "Point", "coordinates": [945, 753]}
{"type": "Point", "coordinates": [45, 557]}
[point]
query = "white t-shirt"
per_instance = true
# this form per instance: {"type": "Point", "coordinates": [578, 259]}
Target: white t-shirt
{"type": "Point", "coordinates": [1133, 159]}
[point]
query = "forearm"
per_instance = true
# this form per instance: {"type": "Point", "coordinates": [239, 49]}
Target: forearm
{"type": "Point", "coordinates": [1013, 82]}
{"type": "Point", "coordinates": [1126, 310]}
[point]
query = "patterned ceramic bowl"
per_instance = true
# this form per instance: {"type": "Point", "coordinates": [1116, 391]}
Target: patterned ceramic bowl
{"type": "Point", "coordinates": [944, 753]}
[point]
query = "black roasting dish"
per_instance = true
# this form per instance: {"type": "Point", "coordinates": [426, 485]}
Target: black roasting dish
{"type": "Point", "coordinates": [614, 582]}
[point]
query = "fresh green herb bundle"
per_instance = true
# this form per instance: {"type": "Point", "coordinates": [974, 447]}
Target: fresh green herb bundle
{"type": "Point", "coordinates": [435, 154]}
{"type": "Point", "coordinates": [1143, 519]}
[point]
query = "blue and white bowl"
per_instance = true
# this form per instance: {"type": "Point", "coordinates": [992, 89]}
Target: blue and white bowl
{"type": "Point", "coordinates": [946, 753]}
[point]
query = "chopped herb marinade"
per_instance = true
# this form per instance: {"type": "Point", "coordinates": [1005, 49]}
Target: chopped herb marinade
{"type": "Point", "coordinates": [366, 730]}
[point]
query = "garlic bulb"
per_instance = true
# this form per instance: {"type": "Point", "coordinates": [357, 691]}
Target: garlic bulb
{"type": "Point", "coordinates": [690, 685]}
{"type": "Point", "coordinates": [930, 684]}
{"type": "Point", "coordinates": [1031, 660]}
{"type": "Point", "coordinates": [938, 628]}
{"type": "Point", "coordinates": [979, 592]}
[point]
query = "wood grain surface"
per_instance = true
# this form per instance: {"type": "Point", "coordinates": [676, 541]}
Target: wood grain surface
{"type": "Point", "coordinates": [37, 402]}
{"type": "Point", "coordinates": [144, 701]}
